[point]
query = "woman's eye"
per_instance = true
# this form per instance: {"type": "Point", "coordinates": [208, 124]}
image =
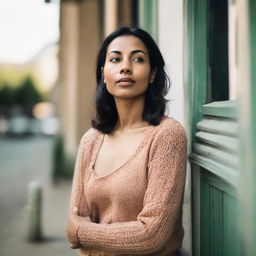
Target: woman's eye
{"type": "Point", "coordinates": [139, 59]}
{"type": "Point", "coordinates": [114, 60]}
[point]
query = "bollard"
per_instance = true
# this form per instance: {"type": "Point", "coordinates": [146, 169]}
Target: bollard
{"type": "Point", "coordinates": [34, 211]}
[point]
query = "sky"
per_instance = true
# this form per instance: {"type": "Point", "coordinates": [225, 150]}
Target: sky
{"type": "Point", "coordinates": [26, 26]}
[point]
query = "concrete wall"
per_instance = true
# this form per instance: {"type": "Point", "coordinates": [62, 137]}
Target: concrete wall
{"type": "Point", "coordinates": [69, 34]}
{"type": "Point", "coordinates": [79, 43]}
{"type": "Point", "coordinates": [116, 14]}
{"type": "Point", "coordinates": [89, 42]}
{"type": "Point", "coordinates": [170, 36]}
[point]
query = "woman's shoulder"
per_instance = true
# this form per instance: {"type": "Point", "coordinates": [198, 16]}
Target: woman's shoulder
{"type": "Point", "coordinates": [168, 136]}
{"type": "Point", "coordinates": [169, 132]}
{"type": "Point", "coordinates": [89, 136]}
{"type": "Point", "coordinates": [170, 127]}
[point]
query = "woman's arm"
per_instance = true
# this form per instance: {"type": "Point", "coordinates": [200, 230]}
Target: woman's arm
{"type": "Point", "coordinates": [162, 203]}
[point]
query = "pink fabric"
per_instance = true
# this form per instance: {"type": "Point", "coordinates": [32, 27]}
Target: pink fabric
{"type": "Point", "coordinates": [137, 208]}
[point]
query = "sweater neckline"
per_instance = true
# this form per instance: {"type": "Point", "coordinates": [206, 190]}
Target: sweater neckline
{"type": "Point", "coordinates": [97, 146]}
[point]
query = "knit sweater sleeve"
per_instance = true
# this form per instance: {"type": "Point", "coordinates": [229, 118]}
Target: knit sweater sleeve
{"type": "Point", "coordinates": [77, 194]}
{"type": "Point", "coordinates": [161, 207]}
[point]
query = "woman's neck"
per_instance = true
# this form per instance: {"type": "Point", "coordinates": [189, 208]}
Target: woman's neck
{"type": "Point", "coordinates": [130, 113]}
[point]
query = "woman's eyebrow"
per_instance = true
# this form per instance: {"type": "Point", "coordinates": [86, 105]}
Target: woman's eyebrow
{"type": "Point", "coordinates": [132, 53]}
{"type": "Point", "coordinates": [136, 51]}
{"type": "Point", "coordinates": [117, 52]}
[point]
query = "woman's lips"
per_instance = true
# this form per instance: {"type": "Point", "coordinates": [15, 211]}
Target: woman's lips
{"type": "Point", "coordinates": [125, 82]}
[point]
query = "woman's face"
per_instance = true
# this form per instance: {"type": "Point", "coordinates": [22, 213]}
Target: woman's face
{"type": "Point", "coordinates": [127, 67]}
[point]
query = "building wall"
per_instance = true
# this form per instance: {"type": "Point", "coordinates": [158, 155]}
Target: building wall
{"type": "Point", "coordinates": [170, 37]}
{"type": "Point", "coordinates": [170, 41]}
{"type": "Point", "coordinates": [68, 81]}
{"type": "Point", "coordinates": [116, 14]}
{"type": "Point", "coordinates": [89, 41]}
{"type": "Point", "coordinates": [79, 43]}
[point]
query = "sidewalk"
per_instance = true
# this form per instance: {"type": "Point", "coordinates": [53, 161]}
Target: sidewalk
{"type": "Point", "coordinates": [22, 161]}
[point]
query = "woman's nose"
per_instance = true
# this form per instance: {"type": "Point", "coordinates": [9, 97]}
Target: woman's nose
{"type": "Point", "coordinates": [126, 68]}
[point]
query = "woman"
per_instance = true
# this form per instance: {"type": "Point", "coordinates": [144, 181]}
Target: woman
{"type": "Point", "coordinates": [129, 177]}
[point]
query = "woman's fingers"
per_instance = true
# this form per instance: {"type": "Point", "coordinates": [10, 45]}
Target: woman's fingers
{"type": "Point", "coordinates": [75, 210]}
{"type": "Point", "coordinates": [74, 246]}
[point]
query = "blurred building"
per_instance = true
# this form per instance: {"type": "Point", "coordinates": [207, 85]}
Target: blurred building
{"type": "Point", "coordinates": [43, 68]}
{"type": "Point", "coordinates": [209, 48]}
{"type": "Point", "coordinates": [83, 24]}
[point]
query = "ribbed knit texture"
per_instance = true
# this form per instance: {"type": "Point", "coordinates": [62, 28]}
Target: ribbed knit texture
{"type": "Point", "coordinates": [137, 208]}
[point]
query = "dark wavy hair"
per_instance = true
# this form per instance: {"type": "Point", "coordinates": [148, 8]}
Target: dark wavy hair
{"type": "Point", "coordinates": [155, 103]}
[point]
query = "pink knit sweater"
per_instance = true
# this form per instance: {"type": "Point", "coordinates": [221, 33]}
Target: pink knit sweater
{"type": "Point", "coordinates": [137, 208]}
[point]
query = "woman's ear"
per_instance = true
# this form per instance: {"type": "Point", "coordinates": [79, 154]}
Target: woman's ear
{"type": "Point", "coordinates": [152, 76]}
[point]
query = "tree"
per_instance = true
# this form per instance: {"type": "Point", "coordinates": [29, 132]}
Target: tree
{"type": "Point", "coordinates": [7, 96]}
{"type": "Point", "coordinates": [27, 94]}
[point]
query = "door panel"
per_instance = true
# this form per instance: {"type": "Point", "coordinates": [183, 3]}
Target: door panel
{"type": "Point", "coordinates": [219, 214]}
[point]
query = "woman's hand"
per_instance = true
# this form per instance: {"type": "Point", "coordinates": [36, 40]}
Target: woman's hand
{"type": "Point", "coordinates": [73, 223]}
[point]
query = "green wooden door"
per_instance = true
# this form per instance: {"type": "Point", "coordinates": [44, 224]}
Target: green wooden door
{"type": "Point", "coordinates": [219, 229]}
{"type": "Point", "coordinates": [213, 120]}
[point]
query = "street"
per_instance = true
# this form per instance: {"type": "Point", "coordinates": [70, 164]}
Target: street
{"type": "Point", "coordinates": [23, 160]}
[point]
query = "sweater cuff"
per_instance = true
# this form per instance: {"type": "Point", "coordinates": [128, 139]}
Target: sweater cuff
{"type": "Point", "coordinates": [87, 234]}
{"type": "Point", "coordinates": [81, 235]}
